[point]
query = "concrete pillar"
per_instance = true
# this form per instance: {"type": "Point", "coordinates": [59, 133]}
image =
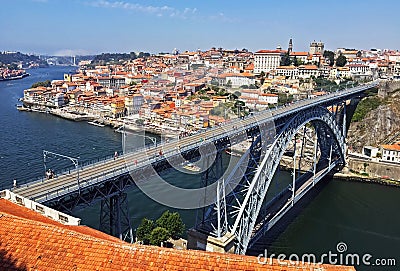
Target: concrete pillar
{"type": "Point", "coordinates": [201, 241]}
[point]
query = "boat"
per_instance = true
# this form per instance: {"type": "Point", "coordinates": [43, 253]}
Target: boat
{"type": "Point", "coordinates": [96, 123]}
{"type": "Point", "coordinates": [21, 107]}
{"type": "Point", "coordinates": [192, 167]}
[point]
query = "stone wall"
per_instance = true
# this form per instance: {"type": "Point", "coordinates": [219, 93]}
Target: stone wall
{"type": "Point", "coordinates": [374, 168]}
{"type": "Point", "coordinates": [386, 87]}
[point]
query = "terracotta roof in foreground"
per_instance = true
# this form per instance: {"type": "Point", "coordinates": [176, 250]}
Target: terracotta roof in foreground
{"type": "Point", "coordinates": [30, 241]}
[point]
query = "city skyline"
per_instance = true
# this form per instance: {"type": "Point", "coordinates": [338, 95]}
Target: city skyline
{"type": "Point", "coordinates": [95, 26]}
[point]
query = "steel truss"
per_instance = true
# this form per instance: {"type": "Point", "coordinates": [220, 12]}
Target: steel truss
{"type": "Point", "coordinates": [114, 217]}
{"type": "Point", "coordinates": [250, 179]}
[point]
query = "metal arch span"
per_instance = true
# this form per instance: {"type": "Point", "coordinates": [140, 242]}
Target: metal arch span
{"type": "Point", "coordinates": [324, 121]}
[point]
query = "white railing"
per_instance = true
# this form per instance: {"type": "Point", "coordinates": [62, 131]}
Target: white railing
{"type": "Point", "coordinates": [40, 208]}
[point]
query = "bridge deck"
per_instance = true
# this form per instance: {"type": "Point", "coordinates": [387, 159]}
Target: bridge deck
{"type": "Point", "coordinates": [45, 190]}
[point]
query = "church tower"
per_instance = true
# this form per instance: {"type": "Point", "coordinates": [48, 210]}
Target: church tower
{"type": "Point", "coordinates": [290, 48]}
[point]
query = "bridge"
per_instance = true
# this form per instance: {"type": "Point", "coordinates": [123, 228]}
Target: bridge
{"type": "Point", "coordinates": [235, 210]}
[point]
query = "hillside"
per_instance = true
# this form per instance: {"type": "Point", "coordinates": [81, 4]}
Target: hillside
{"type": "Point", "coordinates": [376, 121]}
{"type": "Point", "coordinates": [17, 57]}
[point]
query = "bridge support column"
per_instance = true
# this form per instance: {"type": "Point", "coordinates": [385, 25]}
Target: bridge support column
{"type": "Point", "coordinates": [201, 241]}
{"type": "Point", "coordinates": [212, 174]}
{"type": "Point", "coordinates": [114, 217]}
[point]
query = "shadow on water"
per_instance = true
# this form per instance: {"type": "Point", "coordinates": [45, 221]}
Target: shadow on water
{"type": "Point", "coordinates": [280, 227]}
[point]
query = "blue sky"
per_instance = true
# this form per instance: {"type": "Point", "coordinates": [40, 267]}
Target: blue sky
{"type": "Point", "coordinates": [95, 26]}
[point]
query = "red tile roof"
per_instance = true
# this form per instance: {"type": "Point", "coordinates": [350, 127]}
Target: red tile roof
{"type": "Point", "coordinates": [271, 51]}
{"type": "Point", "coordinates": [394, 147]}
{"type": "Point", "coordinates": [30, 241]}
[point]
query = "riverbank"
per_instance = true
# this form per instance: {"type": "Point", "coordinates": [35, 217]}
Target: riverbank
{"type": "Point", "coordinates": [100, 121]}
{"type": "Point", "coordinates": [344, 175]}
{"type": "Point", "coordinates": [14, 77]}
{"type": "Point", "coordinates": [365, 179]}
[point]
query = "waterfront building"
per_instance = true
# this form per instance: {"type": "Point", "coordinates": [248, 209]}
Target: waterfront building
{"type": "Point", "coordinates": [391, 153]}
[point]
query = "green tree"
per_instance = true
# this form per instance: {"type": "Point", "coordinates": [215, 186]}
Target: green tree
{"type": "Point", "coordinates": [139, 122]}
{"type": "Point", "coordinates": [252, 86]}
{"type": "Point", "coordinates": [341, 61]}
{"type": "Point", "coordinates": [331, 56]}
{"type": "Point", "coordinates": [295, 62]}
{"type": "Point", "coordinates": [229, 83]}
{"type": "Point", "coordinates": [46, 83]}
{"type": "Point", "coordinates": [158, 235]}
{"type": "Point", "coordinates": [143, 232]}
{"type": "Point", "coordinates": [262, 77]}
{"type": "Point", "coordinates": [172, 222]}
{"type": "Point", "coordinates": [237, 94]}
{"type": "Point", "coordinates": [286, 61]}
{"type": "Point", "coordinates": [214, 82]}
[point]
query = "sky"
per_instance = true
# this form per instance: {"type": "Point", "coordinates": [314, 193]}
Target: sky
{"type": "Point", "coordinates": [79, 27]}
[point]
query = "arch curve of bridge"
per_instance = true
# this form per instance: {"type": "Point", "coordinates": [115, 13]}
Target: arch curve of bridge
{"type": "Point", "coordinates": [321, 118]}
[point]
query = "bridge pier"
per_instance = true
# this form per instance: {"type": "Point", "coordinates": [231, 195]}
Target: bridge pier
{"type": "Point", "coordinates": [114, 217]}
{"type": "Point", "coordinates": [201, 241]}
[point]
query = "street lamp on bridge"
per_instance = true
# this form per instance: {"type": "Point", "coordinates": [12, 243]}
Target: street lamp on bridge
{"type": "Point", "coordinates": [74, 160]}
{"type": "Point", "coordinates": [124, 132]}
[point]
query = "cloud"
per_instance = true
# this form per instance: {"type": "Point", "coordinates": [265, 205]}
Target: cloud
{"type": "Point", "coordinates": [155, 10]}
{"type": "Point", "coordinates": [221, 17]}
{"type": "Point", "coordinates": [71, 52]}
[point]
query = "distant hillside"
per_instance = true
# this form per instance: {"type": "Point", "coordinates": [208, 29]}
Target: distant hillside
{"type": "Point", "coordinates": [376, 121]}
{"type": "Point", "coordinates": [9, 58]}
{"type": "Point", "coordinates": [106, 58]}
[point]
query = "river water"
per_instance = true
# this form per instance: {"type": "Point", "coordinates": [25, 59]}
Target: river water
{"type": "Point", "coordinates": [364, 216]}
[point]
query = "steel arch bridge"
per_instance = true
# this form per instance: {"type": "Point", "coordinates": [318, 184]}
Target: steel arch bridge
{"type": "Point", "coordinates": [236, 217]}
{"type": "Point", "coordinates": [241, 211]}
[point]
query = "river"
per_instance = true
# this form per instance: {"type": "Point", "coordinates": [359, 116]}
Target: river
{"type": "Point", "coordinates": [364, 216]}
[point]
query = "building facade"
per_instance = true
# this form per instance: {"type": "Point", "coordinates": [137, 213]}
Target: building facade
{"type": "Point", "coordinates": [391, 153]}
{"type": "Point", "coordinates": [316, 48]}
{"type": "Point", "coordinates": [267, 60]}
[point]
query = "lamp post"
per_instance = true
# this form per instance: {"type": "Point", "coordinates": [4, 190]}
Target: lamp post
{"type": "Point", "coordinates": [74, 160]}
{"type": "Point", "coordinates": [153, 139]}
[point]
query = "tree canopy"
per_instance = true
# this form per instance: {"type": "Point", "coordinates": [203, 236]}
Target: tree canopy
{"type": "Point", "coordinates": [158, 236]}
{"type": "Point", "coordinates": [166, 226]}
{"type": "Point", "coordinates": [172, 222]}
{"type": "Point", "coordinates": [341, 61]}
{"type": "Point", "coordinates": [116, 57]}
{"type": "Point", "coordinates": [331, 56]}
{"type": "Point", "coordinates": [46, 83]}
{"type": "Point", "coordinates": [143, 232]}
{"type": "Point", "coordinates": [286, 61]}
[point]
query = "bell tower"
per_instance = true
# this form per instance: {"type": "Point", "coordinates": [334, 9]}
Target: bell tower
{"type": "Point", "coordinates": [290, 48]}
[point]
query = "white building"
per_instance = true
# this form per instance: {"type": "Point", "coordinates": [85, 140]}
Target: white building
{"type": "Point", "coordinates": [302, 56]}
{"type": "Point", "coordinates": [306, 71]}
{"type": "Point", "coordinates": [359, 69]}
{"type": "Point", "coordinates": [288, 71]}
{"type": "Point", "coordinates": [255, 99]}
{"type": "Point", "coordinates": [268, 98]}
{"type": "Point", "coordinates": [391, 153]}
{"type": "Point", "coordinates": [236, 79]}
{"type": "Point", "coordinates": [267, 60]}
{"type": "Point", "coordinates": [59, 100]}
